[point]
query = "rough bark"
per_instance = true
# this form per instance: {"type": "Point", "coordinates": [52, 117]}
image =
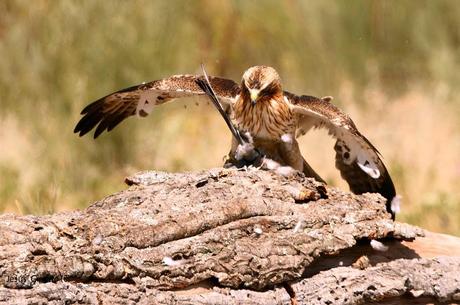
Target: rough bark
{"type": "Point", "coordinates": [223, 237]}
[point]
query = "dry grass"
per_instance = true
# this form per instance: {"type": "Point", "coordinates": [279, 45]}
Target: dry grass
{"type": "Point", "coordinates": [393, 66]}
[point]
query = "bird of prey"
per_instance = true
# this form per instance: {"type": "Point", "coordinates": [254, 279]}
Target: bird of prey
{"type": "Point", "coordinates": [262, 110]}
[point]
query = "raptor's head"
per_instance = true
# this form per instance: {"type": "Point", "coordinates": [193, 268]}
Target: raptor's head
{"type": "Point", "coordinates": [260, 83]}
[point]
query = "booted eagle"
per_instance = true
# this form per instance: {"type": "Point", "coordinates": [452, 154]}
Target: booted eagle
{"type": "Point", "coordinates": [271, 117]}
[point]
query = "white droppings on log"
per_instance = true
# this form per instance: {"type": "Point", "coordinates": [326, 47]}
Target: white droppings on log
{"type": "Point", "coordinates": [168, 261]}
{"type": "Point", "coordinates": [297, 227]}
{"type": "Point", "coordinates": [258, 230]}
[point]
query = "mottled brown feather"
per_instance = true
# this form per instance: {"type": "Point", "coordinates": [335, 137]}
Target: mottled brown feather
{"type": "Point", "coordinates": [321, 113]}
{"type": "Point", "coordinates": [109, 111]}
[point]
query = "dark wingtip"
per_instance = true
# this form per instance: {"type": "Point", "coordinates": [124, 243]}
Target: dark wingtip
{"type": "Point", "coordinates": [90, 106]}
{"type": "Point", "coordinates": [389, 192]}
{"type": "Point", "coordinates": [81, 133]}
{"type": "Point", "coordinates": [100, 129]}
{"type": "Point", "coordinates": [79, 127]}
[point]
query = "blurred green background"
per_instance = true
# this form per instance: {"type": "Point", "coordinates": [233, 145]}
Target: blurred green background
{"type": "Point", "coordinates": [392, 65]}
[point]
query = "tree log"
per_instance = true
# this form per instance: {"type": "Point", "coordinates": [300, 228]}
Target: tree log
{"type": "Point", "coordinates": [225, 236]}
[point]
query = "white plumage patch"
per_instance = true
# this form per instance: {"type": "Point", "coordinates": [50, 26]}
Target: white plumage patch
{"type": "Point", "coordinates": [244, 150]}
{"type": "Point", "coordinates": [353, 151]}
{"type": "Point", "coordinates": [327, 98]}
{"type": "Point", "coordinates": [147, 101]}
{"type": "Point", "coordinates": [287, 138]}
{"type": "Point", "coordinates": [285, 171]}
{"type": "Point", "coordinates": [367, 165]}
{"type": "Point", "coordinates": [396, 204]}
{"type": "Point", "coordinates": [270, 164]}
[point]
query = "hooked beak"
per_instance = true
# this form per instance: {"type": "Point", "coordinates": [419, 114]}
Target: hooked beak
{"type": "Point", "coordinates": [254, 96]}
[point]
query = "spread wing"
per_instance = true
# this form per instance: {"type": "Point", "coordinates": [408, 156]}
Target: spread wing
{"type": "Point", "coordinates": [357, 159]}
{"type": "Point", "coordinates": [111, 110]}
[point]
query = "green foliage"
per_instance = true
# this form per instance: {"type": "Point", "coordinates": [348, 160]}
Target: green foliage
{"type": "Point", "coordinates": [57, 56]}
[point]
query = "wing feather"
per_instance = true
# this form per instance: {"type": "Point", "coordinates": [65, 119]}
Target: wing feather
{"type": "Point", "coordinates": [107, 112]}
{"type": "Point", "coordinates": [357, 159]}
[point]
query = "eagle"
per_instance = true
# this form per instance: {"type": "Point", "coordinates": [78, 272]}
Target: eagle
{"type": "Point", "coordinates": [260, 109]}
